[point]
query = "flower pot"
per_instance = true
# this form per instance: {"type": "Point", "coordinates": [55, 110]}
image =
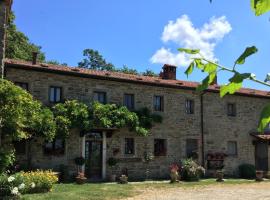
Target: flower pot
{"type": "Point", "coordinates": [219, 175]}
{"type": "Point", "coordinates": [112, 178]}
{"type": "Point", "coordinates": [259, 175]}
{"type": "Point", "coordinates": [174, 176]}
{"type": "Point", "coordinates": [81, 180]}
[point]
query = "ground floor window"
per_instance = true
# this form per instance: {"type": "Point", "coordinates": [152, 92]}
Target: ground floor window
{"type": "Point", "coordinates": [129, 146]}
{"type": "Point", "coordinates": [56, 147]}
{"type": "Point", "coordinates": [160, 147]}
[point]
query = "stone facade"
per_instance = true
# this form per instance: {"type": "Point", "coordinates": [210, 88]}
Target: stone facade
{"type": "Point", "coordinates": [177, 126]}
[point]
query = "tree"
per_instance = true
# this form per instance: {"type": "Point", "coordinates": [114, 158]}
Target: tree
{"type": "Point", "coordinates": [95, 61]}
{"type": "Point", "coordinates": [18, 44]}
{"type": "Point", "coordinates": [149, 72]}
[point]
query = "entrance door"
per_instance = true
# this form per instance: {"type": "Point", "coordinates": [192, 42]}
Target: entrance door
{"type": "Point", "coordinates": [261, 156]}
{"type": "Point", "coordinates": [93, 155]}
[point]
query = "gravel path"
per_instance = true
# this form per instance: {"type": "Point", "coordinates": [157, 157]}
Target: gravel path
{"type": "Point", "coordinates": [256, 191]}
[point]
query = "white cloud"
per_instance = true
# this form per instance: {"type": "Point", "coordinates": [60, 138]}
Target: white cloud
{"type": "Point", "coordinates": [183, 33]}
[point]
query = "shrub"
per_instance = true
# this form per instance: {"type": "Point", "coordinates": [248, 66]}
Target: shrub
{"type": "Point", "coordinates": [7, 158]}
{"type": "Point", "coordinates": [11, 187]}
{"type": "Point", "coordinates": [191, 171]}
{"type": "Point", "coordinates": [247, 171]}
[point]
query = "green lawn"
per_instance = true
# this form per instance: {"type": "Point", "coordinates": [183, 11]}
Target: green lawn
{"type": "Point", "coordinates": [104, 191]}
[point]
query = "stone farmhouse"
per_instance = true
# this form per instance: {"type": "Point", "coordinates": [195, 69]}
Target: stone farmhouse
{"type": "Point", "coordinates": [215, 131]}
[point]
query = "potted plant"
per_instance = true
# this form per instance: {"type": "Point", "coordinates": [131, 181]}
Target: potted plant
{"type": "Point", "coordinates": [80, 178]}
{"type": "Point", "coordinates": [259, 175]}
{"type": "Point", "coordinates": [123, 179]}
{"type": "Point", "coordinates": [112, 162]}
{"type": "Point", "coordinates": [174, 168]}
{"type": "Point", "coordinates": [219, 175]}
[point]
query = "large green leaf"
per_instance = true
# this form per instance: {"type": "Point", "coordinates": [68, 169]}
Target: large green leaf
{"type": "Point", "coordinates": [235, 84]}
{"type": "Point", "coordinates": [190, 69]}
{"type": "Point", "coordinates": [265, 118]}
{"type": "Point", "coordinates": [248, 52]}
{"type": "Point", "coordinates": [260, 6]}
{"type": "Point", "coordinates": [189, 51]}
{"type": "Point", "coordinates": [207, 81]}
{"type": "Point", "coordinates": [210, 68]}
{"type": "Point", "coordinates": [199, 63]}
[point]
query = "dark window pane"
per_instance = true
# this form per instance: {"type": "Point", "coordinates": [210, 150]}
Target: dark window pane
{"type": "Point", "coordinates": [20, 147]}
{"type": "Point", "coordinates": [55, 94]}
{"type": "Point", "coordinates": [22, 85]}
{"type": "Point", "coordinates": [160, 147]}
{"type": "Point", "coordinates": [189, 106]}
{"type": "Point", "coordinates": [56, 147]}
{"type": "Point", "coordinates": [100, 97]}
{"type": "Point", "coordinates": [129, 146]}
{"type": "Point", "coordinates": [192, 148]}
{"type": "Point", "coordinates": [232, 148]}
{"type": "Point", "coordinates": [129, 101]}
{"type": "Point", "coordinates": [158, 103]}
{"type": "Point", "coordinates": [231, 109]}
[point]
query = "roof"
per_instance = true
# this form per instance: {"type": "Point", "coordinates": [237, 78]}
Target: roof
{"type": "Point", "coordinates": [122, 77]}
{"type": "Point", "coordinates": [262, 137]}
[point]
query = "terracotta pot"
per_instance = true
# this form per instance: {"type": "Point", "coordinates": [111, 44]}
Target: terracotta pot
{"type": "Point", "coordinates": [259, 175]}
{"type": "Point", "coordinates": [174, 176]}
{"type": "Point", "coordinates": [219, 175]}
{"type": "Point", "coordinates": [81, 180]}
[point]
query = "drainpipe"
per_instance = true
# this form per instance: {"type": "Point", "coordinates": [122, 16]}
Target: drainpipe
{"type": "Point", "coordinates": [202, 127]}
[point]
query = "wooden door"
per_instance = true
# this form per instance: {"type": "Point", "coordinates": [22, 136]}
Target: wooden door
{"type": "Point", "coordinates": [93, 155]}
{"type": "Point", "coordinates": [261, 156]}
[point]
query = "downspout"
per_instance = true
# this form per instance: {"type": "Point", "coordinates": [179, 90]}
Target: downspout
{"type": "Point", "coordinates": [202, 127]}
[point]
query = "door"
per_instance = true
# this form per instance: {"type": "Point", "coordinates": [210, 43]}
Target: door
{"type": "Point", "coordinates": [93, 155]}
{"type": "Point", "coordinates": [261, 156]}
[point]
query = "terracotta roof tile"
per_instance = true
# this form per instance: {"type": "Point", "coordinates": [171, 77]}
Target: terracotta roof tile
{"type": "Point", "coordinates": [125, 77]}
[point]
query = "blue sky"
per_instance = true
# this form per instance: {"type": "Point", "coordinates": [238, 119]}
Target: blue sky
{"type": "Point", "coordinates": [131, 32]}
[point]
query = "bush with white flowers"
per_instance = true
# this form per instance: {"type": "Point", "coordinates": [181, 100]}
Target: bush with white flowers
{"type": "Point", "coordinates": [11, 186]}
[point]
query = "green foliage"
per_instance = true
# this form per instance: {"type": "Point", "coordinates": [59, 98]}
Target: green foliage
{"type": "Point", "coordinates": [191, 171]}
{"type": "Point", "coordinates": [125, 69]}
{"type": "Point", "coordinates": [149, 72]}
{"type": "Point", "coordinates": [247, 171]}
{"type": "Point", "coordinates": [146, 118]}
{"type": "Point", "coordinates": [7, 158]}
{"type": "Point", "coordinates": [265, 118]}
{"type": "Point", "coordinates": [18, 44]}
{"type": "Point", "coordinates": [190, 69]}
{"type": "Point", "coordinates": [189, 51]}
{"type": "Point", "coordinates": [112, 162]}
{"type": "Point", "coordinates": [248, 52]}
{"type": "Point", "coordinates": [260, 6]}
{"type": "Point", "coordinates": [71, 114]}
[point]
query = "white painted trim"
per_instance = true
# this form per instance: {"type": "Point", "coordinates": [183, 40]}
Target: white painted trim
{"type": "Point", "coordinates": [104, 152]}
{"type": "Point", "coordinates": [83, 152]}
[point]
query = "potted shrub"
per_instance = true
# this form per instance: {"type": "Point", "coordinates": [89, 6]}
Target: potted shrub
{"type": "Point", "coordinates": [80, 178]}
{"type": "Point", "coordinates": [219, 175]}
{"type": "Point", "coordinates": [247, 171]}
{"type": "Point", "coordinates": [191, 171]}
{"type": "Point", "coordinates": [79, 161]}
{"type": "Point", "coordinates": [112, 162]}
{"type": "Point", "coordinates": [259, 175]}
{"type": "Point", "coordinates": [123, 179]}
{"type": "Point", "coordinates": [174, 173]}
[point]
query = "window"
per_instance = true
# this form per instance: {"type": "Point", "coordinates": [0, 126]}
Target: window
{"type": "Point", "coordinates": [129, 146]}
{"type": "Point", "coordinates": [55, 94]}
{"type": "Point", "coordinates": [100, 97]}
{"type": "Point", "coordinates": [160, 147]}
{"type": "Point", "coordinates": [56, 147]}
{"type": "Point", "coordinates": [189, 106]}
{"type": "Point", "coordinates": [22, 85]}
{"type": "Point", "coordinates": [20, 147]}
{"type": "Point", "coordinates": [129, 101]}
{"type": "Point", "coordinates": [232, 148]}
{"type": "Point", "coordinates": [158, 103]}
{"type": "Point", "coordinates": [192, 148]}
{"type": "Point", "coordinates": [231, 109]}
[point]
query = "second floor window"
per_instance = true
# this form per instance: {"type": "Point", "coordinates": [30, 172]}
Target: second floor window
{"type": "Point", "coordinates": [158, 103]}
{"type": "Point", "coordinates": [100, 97]}
{"type": "Point", "coordinates": [55, 94]}
{"type": "Point", "coordinates": [22, 85]}
{"type": "Point", "coordinates": [129, 101]}
{"type": "Point", "coordinates": [160, 147]}
{"type": "Point", "coordinates": [189, 106]}
{"type": "Point", "coordinates": [231, 109]}
{"type": "Point", "coordinates": [129, 146]}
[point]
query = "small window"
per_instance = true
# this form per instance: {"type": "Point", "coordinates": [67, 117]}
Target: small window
{"type": "Point", "coordinates": [232, 148]}
{"type": "Point", "coordinates": [129, 146]}
{"type": "Point", "coordinates": [189, 106]}
{"type": "Point", "coordinates": [55, 94]}
{"type": "Point", "coordinates": [22, 85]}
{"type": "Point", "coordinates": [231, 109]}
{"type": "Point", "coordinates": [100, 97]}
{"type": "Point", "coordinates": [56, 147]}
{"type": "Point", "coordinates": [129, 101]}
{"type": "Point", "coordinates": [192, 148]}
{"type": "Point", "coordinates": [158, 103]}
{"type": "Point", "coordinates": [20, 147]}
{"type": "Point", "coordinates": [160, 147]}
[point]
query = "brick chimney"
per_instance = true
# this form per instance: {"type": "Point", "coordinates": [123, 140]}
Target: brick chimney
{"type": "Point", "coordinates": [169, 72]}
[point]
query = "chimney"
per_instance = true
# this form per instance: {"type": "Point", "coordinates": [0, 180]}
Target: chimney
{"type": "Point", "coordinates": [169, 72]}
{"type": "Point", "coordinates": [34, 58]}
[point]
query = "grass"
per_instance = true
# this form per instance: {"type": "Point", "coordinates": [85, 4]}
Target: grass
{"type": "Point", "coordinates": [105, 191]}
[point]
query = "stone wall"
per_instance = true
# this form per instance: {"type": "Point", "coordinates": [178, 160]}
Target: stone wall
{"type": "Point", "coordinates": [176, 128]}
